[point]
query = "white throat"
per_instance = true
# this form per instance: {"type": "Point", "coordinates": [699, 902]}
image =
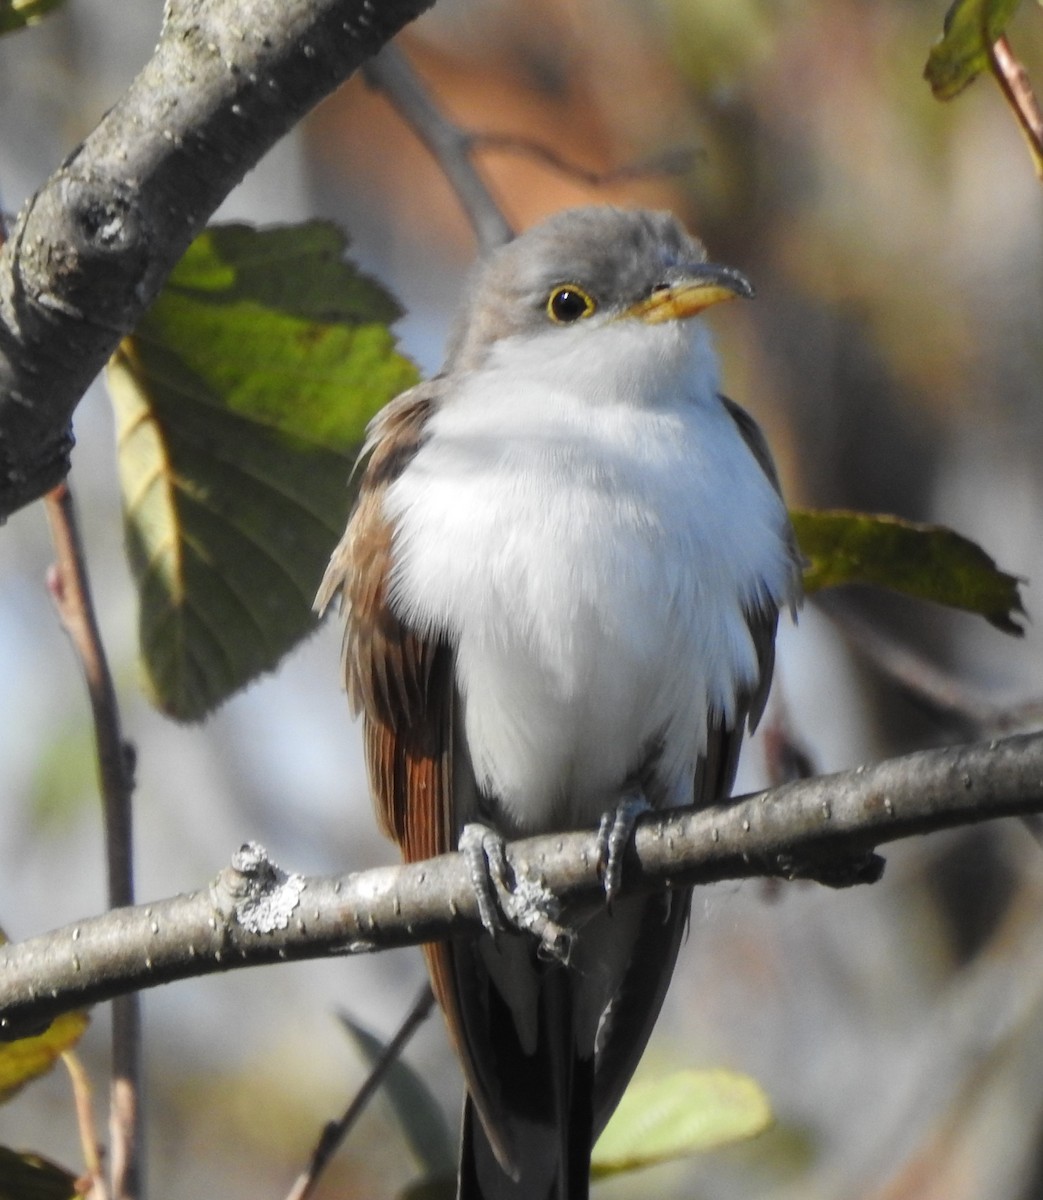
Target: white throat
{"type": "Point", "coordinates": [622, 361]}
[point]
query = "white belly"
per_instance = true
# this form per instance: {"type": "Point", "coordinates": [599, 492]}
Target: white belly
{"type": "Point", "coordinates": [592, 567]}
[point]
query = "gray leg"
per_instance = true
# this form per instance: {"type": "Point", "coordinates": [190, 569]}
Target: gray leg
{"type": "Point", "coordinates": [483, 848]}
{"type": "Point", "coordinates": [525, 904]}
{"type": "Point", "coordinates": [614, 835]}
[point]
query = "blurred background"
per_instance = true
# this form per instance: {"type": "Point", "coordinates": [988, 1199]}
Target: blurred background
{"type": "Point", "coordinates": [895, 359]}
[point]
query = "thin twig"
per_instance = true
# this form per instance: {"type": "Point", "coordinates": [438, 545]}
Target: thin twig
{"type": "Point", "coordinates": [336, 1131]}
{"type": "Point", "coordinates": [70, 588]}
{"type": "Point", "coordinates": [1017, 88]}
{"type": "Point", "coordinates": [453, 148]}
{"type": "Point", "coordinates": [949, 700]}
{"type": "Point", "coordinates": [672, 162]}
{"type": "Point", "coordinates": [84, 1102]}
{"type": "Point", "coordinates": [391, 72]}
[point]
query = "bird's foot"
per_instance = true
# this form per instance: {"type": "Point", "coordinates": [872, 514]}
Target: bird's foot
{"type": "Point", "coordinates": [484, 850]}
{"type": "Point", "coordinates": [505, 901]}
{"type": "Point", "coordinates": [615, 833]}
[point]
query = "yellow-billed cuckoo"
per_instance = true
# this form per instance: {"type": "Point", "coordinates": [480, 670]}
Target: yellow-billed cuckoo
{"type": "Point", "coordinates": [562, 580]}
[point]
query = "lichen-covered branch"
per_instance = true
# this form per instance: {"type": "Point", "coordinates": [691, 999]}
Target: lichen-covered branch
{"type": "Point", "coordinates": [92, 248]}
{"type": "Point", "coordinates": [824, 828]}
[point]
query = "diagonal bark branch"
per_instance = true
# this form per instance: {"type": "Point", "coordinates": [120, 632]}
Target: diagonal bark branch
{"type": "Point", "coordinates": [823, 828]}
{"type": "Point", "coordinates": [449, 145]}
{"type": "Point", "coordinates": [92, 248]}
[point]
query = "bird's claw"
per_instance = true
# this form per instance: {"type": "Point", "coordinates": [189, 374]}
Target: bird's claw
{"type": "Point", "coordinates": [522, 904]}
{"type": "Point", "coordinates": [614, 835]}
{"type": "Point", "coordinates": [483, 849]}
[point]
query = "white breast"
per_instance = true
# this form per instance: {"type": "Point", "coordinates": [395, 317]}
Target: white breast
{"type": "Point", "coordinates": [590, 558]}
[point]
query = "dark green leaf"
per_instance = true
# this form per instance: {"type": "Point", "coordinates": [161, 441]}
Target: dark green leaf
{"type": "Point", "coordinates": [241, 401]}
{"type": "Point", "coordinates": [30, 1177]}
{"type": "Point", "coordinates": [683, 1114]}
{"type": "Point", "coordinates": [962, 53]}
{"type": "Point", "coordinates": [418, 1112]}
{"type": "Point", "coordinates": [16, 14]}
{"type": "Point", "coordinates": [929, 562]}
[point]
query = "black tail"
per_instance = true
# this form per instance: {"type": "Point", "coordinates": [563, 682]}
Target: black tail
{"type": "Point", "coordinates": [548, 1096]}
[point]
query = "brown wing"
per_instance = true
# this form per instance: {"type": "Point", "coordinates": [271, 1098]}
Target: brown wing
{"type": "Point", "coordinates": [401, 682]}
{"type": "Point", "coordinates": [628, 1023]}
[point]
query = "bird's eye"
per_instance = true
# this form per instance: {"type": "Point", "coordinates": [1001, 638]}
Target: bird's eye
{"type": "Point", "coordinates": [569, 303]}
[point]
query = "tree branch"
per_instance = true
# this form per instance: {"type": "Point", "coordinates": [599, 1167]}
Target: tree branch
{"type": "Point", "coordinates": [92, 248]}
{"type": "Point", "coordinates": [823, 828]}
{"type": "Point", "coordinates": [448, 144]}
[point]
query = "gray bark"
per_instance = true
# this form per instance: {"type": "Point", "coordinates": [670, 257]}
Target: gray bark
{"type": "Point", "coordinates": [93, 247]}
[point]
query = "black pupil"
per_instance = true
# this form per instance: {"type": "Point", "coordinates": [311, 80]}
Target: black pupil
{"type": "Point", "coordinates": [568, 305]}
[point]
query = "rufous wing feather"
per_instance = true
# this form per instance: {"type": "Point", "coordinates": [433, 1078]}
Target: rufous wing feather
{"type": "Point", "coordinates": [401, 682]}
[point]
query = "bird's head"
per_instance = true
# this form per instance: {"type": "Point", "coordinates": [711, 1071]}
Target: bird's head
{"type": "Point", "coordinates": [587, 269]}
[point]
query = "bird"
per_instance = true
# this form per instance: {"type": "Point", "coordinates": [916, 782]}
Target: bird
{"type": "Point", "coordinates": [562, 580]}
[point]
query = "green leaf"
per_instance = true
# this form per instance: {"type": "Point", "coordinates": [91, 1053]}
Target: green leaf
{"type": "Point", "coordinates": [30, 1177]}
{"type": "Point", "coordinates": [417, 1111]}
{"type": "Point", "coordinates": [962, 53]}
{"type": "Point", "coordinates": [683, 1114]}
{"type": "Point", "coordinates": [928, 562]}
{"type": "Point", "coordinates": [17, 14]}
{"type": "Point", "coordinates": [28, 1058]}
{"type": "Point", "coordinates": [241, 403]}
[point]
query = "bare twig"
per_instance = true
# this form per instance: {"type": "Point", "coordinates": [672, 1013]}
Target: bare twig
{"type": "Point", "coordinates": [451, 146]}
{"type": "Point", "coordinates": [336, 1131]}
{"type": "Point", "coordinates": [70, 588]}
{"type": "Point", "coordinates": [83, 1099]}
{"type": "Point", "coordinates": [951, 701]}
{"type": "Point", "coordinates": [672, 162]}
{"type": "Point", "coordinates": [823, 828]}
{"type": "Point", "coordinates": [1017, 89]}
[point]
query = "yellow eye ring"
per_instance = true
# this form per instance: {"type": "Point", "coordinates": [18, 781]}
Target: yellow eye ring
{"type": "Point", "coordinates": [569, 302]}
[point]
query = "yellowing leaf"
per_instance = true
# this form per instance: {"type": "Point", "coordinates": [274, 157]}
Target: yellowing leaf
{"type": "Point", "coordinates": [683, 1114]}
{"type": "Point", "coordinates": [962, 52]}
{"type": "Point", "coordinates": [30, 1177]}
{"type": "Point", "coordinates": [241, 402]}
{"type": "Point", "coordinates": [16, 14]}
{"type": "Point", "coordinates": [929, 562]}
{"type": "Point", "coordinates": [28, 1058]}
